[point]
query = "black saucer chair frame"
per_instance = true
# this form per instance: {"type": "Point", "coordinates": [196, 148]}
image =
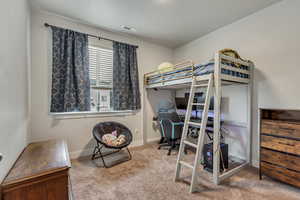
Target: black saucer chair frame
{"type": "Point", "coordinates": [107, 127]}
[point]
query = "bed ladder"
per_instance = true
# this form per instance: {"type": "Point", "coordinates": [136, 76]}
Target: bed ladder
{"type": "Point", "coordinates": [208, 84]}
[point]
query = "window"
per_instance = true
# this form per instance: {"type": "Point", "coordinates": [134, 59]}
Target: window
{"type": "Point", "coordinates": [101, 76]}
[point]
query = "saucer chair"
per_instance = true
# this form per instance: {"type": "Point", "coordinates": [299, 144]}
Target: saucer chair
{"type": "Point", "coordinates": [105, 128]}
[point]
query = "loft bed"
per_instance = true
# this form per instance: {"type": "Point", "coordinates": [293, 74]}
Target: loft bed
{"type": "Point", "coordinates": [226, 70]}
{"type": "Point", "coordinates": [232, 70]}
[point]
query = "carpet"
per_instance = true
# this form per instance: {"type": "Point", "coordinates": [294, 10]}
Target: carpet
{"type": "Point", "coordinates": [149, 176]}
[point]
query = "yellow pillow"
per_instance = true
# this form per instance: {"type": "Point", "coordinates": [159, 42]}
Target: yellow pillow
{"type": "Point", "coordinates": [165, 67]}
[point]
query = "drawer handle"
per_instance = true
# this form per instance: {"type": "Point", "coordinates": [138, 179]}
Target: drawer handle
{"type": "Point", "coordinates": [286, 144]}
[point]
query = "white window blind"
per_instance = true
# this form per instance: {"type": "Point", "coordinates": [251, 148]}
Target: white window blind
{"type": "Point", "coordinates": [101, 67]}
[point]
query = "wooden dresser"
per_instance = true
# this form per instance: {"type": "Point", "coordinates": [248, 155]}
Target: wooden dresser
{"type": "Point", "coordinates": [41, 172]}
{"type": "Point", "coordinates": [280, 145]}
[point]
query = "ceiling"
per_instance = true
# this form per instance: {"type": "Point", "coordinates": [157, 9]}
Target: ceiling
{"type": "Point", "coordinates": [168, 22]}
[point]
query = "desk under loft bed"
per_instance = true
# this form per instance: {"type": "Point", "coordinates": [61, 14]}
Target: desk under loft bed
{"type": "Point", "coordinates": [226, 70]}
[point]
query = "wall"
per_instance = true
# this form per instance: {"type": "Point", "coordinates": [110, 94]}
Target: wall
{"type": "Point", "coordinates": [77, 131]}
{"type": "Point", "coordinates": [14, 118]}
{"type": "Point", "coordinates": [154, 98]}
{"type": "Point", "coordinates": [270, 38]}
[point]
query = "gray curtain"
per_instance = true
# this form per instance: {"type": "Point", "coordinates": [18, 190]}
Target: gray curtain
{"type": "Point", "coordinates": [70, 73]}
{"type": "Point", "coordinates": [126, 92]}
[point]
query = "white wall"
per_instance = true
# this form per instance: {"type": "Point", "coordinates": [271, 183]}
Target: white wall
{"type": "Point", "coordinates": [77, 132]}
{"type": "Point", "coordinates": [154, 97]}
{"type": "Point", "coordinates": [14, 20]}
{"type": "Point", "coordinates": [270, 38]}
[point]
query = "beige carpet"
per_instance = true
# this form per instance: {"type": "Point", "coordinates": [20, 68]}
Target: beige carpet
{"type": "Point", "coordinates": [149, 176]}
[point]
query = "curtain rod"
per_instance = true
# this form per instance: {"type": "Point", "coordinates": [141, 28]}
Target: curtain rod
{"type": "Point", "coordinates": [95, 36]}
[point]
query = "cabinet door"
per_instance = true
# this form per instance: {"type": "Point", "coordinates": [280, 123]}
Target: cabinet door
{"type": "Point", "coordinates": [36, 191]}
{"type": "Point", "coordinates": [50, 187]}
{"type": "Point", "coordinates": [57, 188]}
{"type": "Point", "coordinates": [31, 192]}
{"type": "Point", "coordinates": [15, 194]}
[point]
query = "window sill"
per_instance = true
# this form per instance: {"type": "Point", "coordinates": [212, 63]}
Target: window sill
{"type": "Point", "coordinates": [79, 115]}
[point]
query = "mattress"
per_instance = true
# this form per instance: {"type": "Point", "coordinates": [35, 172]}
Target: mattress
{"type": "Point", "coordinates": [170, 75]}
{"type": "Point", "coordinates": [199, 69]}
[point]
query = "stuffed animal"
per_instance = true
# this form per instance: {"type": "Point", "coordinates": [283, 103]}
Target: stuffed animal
{"type": "Point", "coordinates": [232, 53]}
{"type": "Point", "coordinates": [109, 138]}
{"type": "Point", "coordinates": [113, 139]}
{"type": "Point", "coordinates": [165, 67]}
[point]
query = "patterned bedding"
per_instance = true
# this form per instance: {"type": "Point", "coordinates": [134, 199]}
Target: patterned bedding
{"type": "Point", "coordinates": [199, 69]}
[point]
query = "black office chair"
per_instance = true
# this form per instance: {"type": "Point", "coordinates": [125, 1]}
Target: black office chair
{"type": "Point", "coordinates": [170, 129]}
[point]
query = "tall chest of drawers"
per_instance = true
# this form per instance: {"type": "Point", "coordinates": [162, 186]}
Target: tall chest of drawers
{"type": "Point", "coordinates": [280, 145]}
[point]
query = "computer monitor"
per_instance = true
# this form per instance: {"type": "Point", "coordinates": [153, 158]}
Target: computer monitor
{"type": "Point", "coordinates": [182, 103]}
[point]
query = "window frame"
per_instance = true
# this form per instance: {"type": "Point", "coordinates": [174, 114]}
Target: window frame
{"type": "Point", "coordinates": [98, 86]}
{"type": "Point", "coordinates": [91, 114]}
{"type": "Point", "coordinates": [83, 114]}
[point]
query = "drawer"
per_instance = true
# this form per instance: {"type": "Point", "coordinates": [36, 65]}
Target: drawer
{"type": "Point", "coordinates": [53, 186]}
{"type": "Point", "coordinates": [281, 128]}
{"type": "Point", "coordinates": [281, 159]}
{"type": "Point", "coordinates": [281, 144]}
{"type": "Point", "coordinates": [279, 173]}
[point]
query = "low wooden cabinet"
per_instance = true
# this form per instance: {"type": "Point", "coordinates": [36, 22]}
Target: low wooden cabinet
{"type": "Point", "coordinates": [280, 145]}
{"type": "Point", "coordinates": [41, 172]}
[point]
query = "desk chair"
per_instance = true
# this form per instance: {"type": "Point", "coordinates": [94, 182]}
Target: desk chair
{"type": "Point", "coordinates": [170, 129]}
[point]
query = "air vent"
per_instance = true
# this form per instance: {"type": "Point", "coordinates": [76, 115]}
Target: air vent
{"type": "Point", "coordinates": [128, 28]}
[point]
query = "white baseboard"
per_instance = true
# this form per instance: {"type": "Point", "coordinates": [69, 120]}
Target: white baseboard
{"type": "Point", "coordinates": [136, 143]}
{"type": "Point", "coordinates": [155, 139]}
{"type": "Point", "coordinates": [234, 123]}
{"type": "Point", "coordinates": [255, 163]}
{"type": "Point", "coordinates": [81, 153]}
